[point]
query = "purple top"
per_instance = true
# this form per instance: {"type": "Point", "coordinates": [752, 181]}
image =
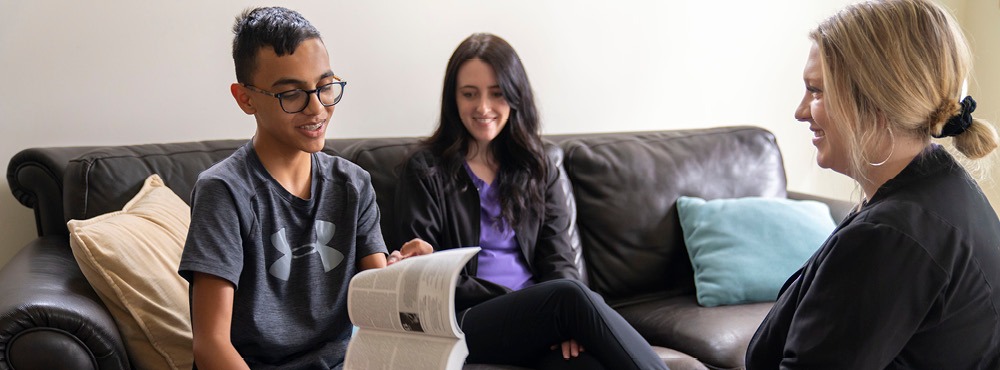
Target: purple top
{"type": "Point", "coordinates": [500, 260]}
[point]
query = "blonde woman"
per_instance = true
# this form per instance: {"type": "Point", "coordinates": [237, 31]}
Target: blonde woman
{"type": "Point", "coordinates": [911, 279]}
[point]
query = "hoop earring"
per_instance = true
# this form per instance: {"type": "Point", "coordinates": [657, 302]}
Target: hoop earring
{"type": "Point", "coordinates": [892, 148]}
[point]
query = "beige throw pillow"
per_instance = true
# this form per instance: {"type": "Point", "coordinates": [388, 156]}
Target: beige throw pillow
{"type": "Point", "coordinates": [130, 257]}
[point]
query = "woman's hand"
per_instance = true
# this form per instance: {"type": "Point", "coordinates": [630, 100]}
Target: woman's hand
{"type": "Point", "coordinates": [570, 348]}
{"type": "Point", "coordinates": [415, 247]}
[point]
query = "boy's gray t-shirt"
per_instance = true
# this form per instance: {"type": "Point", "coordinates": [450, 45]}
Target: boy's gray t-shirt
{"type": "Point", "coordinates": [290, 259]}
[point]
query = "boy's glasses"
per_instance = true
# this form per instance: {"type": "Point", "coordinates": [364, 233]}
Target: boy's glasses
{"type": "Point", "coordinates": [295, 101]}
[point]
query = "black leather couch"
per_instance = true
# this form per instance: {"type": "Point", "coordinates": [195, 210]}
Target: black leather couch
{"type": "Point", "coordinates": [624, 185]}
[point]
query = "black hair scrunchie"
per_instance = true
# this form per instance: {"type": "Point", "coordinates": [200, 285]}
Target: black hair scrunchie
{"type": "Point", "coordinates": [960, 122]}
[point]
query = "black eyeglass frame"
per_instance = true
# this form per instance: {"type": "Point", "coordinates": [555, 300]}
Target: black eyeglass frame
{"type": "Point", "coordinates": [315, 91]}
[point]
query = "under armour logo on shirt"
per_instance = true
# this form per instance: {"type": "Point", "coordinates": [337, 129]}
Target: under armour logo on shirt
{"type": "Point", "coordinates": [324, 233]}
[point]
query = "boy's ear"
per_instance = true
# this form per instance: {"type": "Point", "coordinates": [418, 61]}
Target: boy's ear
{"type": "Point", "coordinates": [242, 98]}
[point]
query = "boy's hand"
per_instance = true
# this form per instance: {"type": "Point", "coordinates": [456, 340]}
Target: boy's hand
{"type": "Point", "coordinates": [415, 247]}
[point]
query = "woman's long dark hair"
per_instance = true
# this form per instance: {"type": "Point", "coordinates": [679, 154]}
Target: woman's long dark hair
{"type": "Point", "coordinates": [518, 149]}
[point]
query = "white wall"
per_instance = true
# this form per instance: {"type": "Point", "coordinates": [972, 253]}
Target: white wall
{"type": "Point", "coordinates": [126, 72]}
{"type": "Point", "coordinates": [981, 21]}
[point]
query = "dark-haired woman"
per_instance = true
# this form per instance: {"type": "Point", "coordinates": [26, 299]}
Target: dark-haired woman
{"type": "Point", "coordinates": [483, 179]}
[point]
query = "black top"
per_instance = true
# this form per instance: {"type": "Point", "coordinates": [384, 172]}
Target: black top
{"type": "Point", "coordinates": [433, 207]}
{"type": "Point", "coordinates": [906, 282]}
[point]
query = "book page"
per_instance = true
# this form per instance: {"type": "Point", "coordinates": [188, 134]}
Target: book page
{"type": "Point", "coordinates": [381, 350]}
{"type": "Point", "coordinates": [415, 295]}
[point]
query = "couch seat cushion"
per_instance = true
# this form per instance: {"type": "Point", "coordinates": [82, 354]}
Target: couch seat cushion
{"type": "Point", "coordinates": [674, 359]}
{"type": "Point", "coordinates": [716, 336]}
{"type": "Point", "coordinates": [677, 360]}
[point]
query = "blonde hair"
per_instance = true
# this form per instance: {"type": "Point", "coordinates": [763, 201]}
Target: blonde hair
{"type": "Point", "coordinates": [896, 67]}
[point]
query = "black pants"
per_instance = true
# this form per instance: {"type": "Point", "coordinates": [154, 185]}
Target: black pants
{"type": "Point", "coordinates": [520, 327]}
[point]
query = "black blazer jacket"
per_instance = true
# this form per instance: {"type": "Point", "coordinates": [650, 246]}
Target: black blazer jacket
{"type": "Point", "coordinates": [909, 281]}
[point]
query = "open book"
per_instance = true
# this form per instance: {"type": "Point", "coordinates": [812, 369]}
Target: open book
{"type": "Point", "coordinates": [405, 314]}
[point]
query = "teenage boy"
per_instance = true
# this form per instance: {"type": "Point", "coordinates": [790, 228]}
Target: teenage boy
{"type": "Point", "coordinates": [279, 228]}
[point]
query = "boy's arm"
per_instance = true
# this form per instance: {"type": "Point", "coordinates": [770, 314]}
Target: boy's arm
{"type": "Point", "coordinates": [415, 247]}
{"type": "Point", "coordinates": [212, 315]}
{"type": "Point", "coordinates": [371, 261]}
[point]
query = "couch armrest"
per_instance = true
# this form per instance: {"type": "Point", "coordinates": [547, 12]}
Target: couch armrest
{"type": "Point", "coordinates": [35, 176]}
{"type": "Point", "coordinates": [50, 317]}
{"type": "Point", "coordinates": [839, 209]}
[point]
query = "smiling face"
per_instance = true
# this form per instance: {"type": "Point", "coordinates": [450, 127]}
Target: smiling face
{"type": "Point", "coordinates": [827, 135]}
{"type": "Point", "coordinates": [481, 103]}
{"type": "Point", "coordinates": [290, 133]}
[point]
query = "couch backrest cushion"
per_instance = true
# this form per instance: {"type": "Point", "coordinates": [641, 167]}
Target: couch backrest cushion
{"type": "Point", "coordinates": [104, 179]}
{"type": "Point", "coordinates": [626, 187]}
{"type": "Point", "coordinates": [383, 158]}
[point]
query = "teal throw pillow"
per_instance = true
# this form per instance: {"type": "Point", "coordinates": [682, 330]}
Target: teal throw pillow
{"type": "Point", "coordinates": [744, 249]}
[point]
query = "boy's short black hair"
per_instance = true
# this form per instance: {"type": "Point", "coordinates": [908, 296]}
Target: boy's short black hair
{"type": "Point", "coordinates": [280, 28]}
